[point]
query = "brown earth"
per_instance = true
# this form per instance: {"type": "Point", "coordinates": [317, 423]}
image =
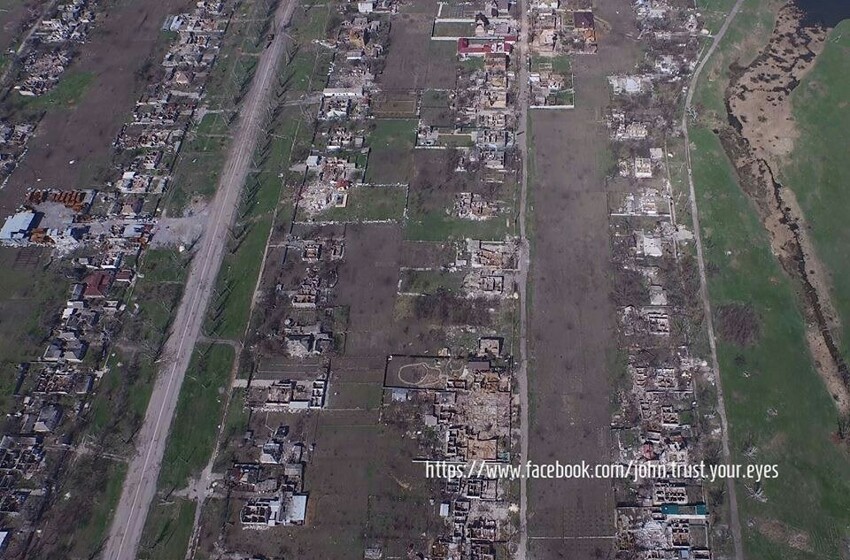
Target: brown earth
{"type": "Point", "coordinates": [411, 62]}
{"type": "Point", "coordinates": [572, 317]}
{"type": "Point", "coordinates": [738, 323]}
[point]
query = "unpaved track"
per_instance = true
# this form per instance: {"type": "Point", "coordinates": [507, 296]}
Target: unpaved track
{"type": "Point", "coordinates": [140, 485]}
{"type": "Point", "coordinates": [734, 519]}
{"type": "Point", "coordinates": [522, 281]}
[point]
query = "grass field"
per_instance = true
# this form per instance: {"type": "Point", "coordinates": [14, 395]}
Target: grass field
{"type": "Point", "coordinates": [71, 88]}
{"type": "Point", "coordinates": [437, 225]}
{"type": "Point", "coordinates": [778, 408]}
{"type": "Point", "coordinates": [167, 530]}
{"type": "Point", "coordinates": [391, 156]}
{"type": "Point", "coordinates": [817, 171]}
{"type": "Point", "coordinates": [369, 203]}
{"type": "Point", "coordinates": [313, 23]}
{"type": "Point", "coordinates": [429, 218]}
{"type": "Point", "coordinates": [560, 64]}
{"type": "Point", "coordinates": [429, 281]}
{"type": "Point", "coordinates": [193, 431]}
{"type": "Point", "coordinates": [454, 29]}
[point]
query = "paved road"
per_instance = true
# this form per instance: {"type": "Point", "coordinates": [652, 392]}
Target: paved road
{"type": "Point", "coordinates": [140, 485]}
{"type": "Point", "coordinates": [734, 519]}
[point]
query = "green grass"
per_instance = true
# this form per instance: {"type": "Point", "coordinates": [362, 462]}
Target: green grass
{"type": "Point", "coordinates": [775, 399]}
{"type": "Point", "coordinates": [436, 225]}
{"type": "Point", "coordinates": [235, 424]}
{"type": "Point", "coordinates": [470, 64]}
{"type": "Point", "coordinates": [72, 86]}
{"type": "Point", "coordinates": [120, 402]}
{"type": "Point", "coordinates": [562, 64]}
{"type": "Point", "coordinates": [456, 140]}
{"type": "Point", "coordinates": [428, 218]}
{"type": "Point", "coordinates": [200, 405]}
{"type": "Point", "coordinates": [312, 23]}
{"type": "Point", "coordinates": [307, 69]}
{"type": "Point", "coordinates": [430, 281]}
{"type": "Point", "coordinates": [391, 156]}
{"type": "Point", "coordinates": [813, 491]}
{"type": "Point", "coordinates": [167, 530]}
{"type": "Point", "coordinates": [817, 171]}
{"type": "Point", "coordinates": [435, 98]}
{"type": "Point", "coordinates": [231, 305]}
{"type": "Point", "coordinates": [94, 523]}
{"type": "Point", "coordinates": [454, 29]}
{"type": "Point", "coordinates": [369, 204]}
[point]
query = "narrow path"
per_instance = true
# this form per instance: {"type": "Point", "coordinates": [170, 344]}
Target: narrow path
{"type": "Point", "coordinates": [140, 484]}
{"type": "Point", "coordinates": [524, 261]}
{"type": "Point", "coordinates": [734, 519]}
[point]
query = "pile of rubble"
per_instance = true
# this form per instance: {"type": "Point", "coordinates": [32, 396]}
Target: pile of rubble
{"type": "Point", "coordinates": [112, 226]}
{"type": "Point", "coordinates": [52, 46]}
{"type": "Point", "coordinates": [464, 411]}
{"type": "Point", "coordinates": [657, 424]}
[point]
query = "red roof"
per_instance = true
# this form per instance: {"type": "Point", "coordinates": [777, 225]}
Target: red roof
{"type": "Point", "coordinates": [124, 275]}
{"type": "Point", "coordinates": [492, 47]}
{"type": "Point", "coordinates": [97, 284]}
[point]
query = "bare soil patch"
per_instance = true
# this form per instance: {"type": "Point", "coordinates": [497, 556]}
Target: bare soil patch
{"type": "Point", "coordinates": [571, 315]}
{"type": "Point", "coordinates": [410, 61]}
{"type": "Point", "coordinates": [776, 531]}
{"type": "Point", "coordinates": [738, 323]}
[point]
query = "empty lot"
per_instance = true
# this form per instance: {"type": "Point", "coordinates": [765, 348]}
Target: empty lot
{"type": "Point", "coordinates": [571, 316]}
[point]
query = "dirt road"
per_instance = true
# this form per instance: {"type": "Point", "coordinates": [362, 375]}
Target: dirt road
{"type": "Point", "coordinates": [734, 520]}
{"type": "Point", "coordinates": [140, 484]}
{"type": "Point", "coordinates": [522, 281]}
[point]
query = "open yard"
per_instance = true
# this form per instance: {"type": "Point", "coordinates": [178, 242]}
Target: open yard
{"type": "Point", "coordinates": [368, 204]}
{"type": "Point", "coordinates": [433, 192]}
{"type": "Point", "coordinates": [391, 151]}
